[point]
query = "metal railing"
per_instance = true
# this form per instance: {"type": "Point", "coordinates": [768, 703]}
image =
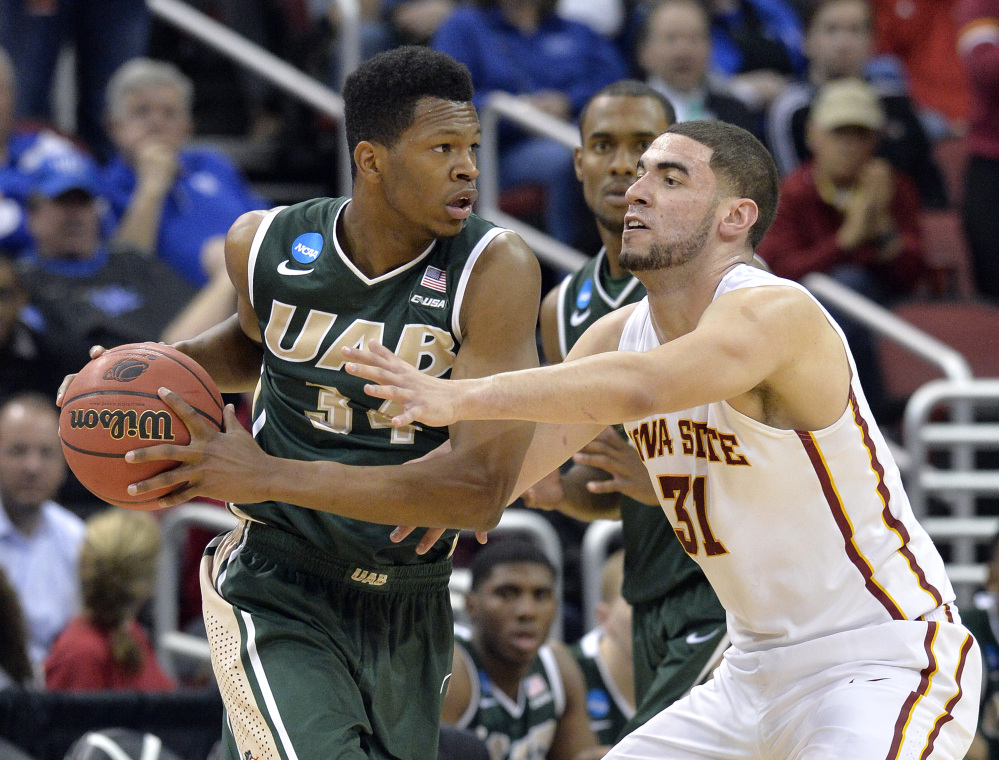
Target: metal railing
{"type": "Point", "coordinates": [501, 106]}
{"type": "Point", "coordinates": [268, 66]}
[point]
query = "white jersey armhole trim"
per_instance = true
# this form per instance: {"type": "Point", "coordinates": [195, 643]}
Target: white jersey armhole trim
{"type": "Point", "coordinates": [466, 273]}
{"type": "Point", "coordinates": [563, 340]}
{"type": "Point", "coordinates": [476, 695]}
{"type": "Point", "coordinates": [554, 677]}
{"type": "Point", "coordinates": [258, 239]}
{"type": "Point", "coordinates": [591, 648]}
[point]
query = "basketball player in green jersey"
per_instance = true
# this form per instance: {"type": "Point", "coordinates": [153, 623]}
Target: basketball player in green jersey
{"type": "Point", "coordinates": [519, 692]}
{"type": "Point", "coordinates": [329, 640]}
{"type": "Point", "coordinates": [678, 624]}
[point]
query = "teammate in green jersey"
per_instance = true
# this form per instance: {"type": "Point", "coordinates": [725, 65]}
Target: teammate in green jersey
{"type": "Point", "coordinates": [678, 624]}
{"type": "Point", "coordinates": [520, 693]}
{"type": "Point", "coordinates": [329, 639]}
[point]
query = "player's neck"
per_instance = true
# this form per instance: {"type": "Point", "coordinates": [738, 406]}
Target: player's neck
{"type": "Point", "coordinates": [376, 244]}
{"type": "Point", "coordinates": [620, 666]}
{"type": "Point", "coordinates": [679, 295]}
{"type": "Point", "coordinates": [612, 250]}
{"type": "Point", "coordinates": [506, 676]}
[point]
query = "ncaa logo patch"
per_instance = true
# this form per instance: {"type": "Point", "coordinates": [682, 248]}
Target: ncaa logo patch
{"type": "Point", "coordinates": [307, 247]}
{"type": "Point", "coordinates": [598, 703]}
{"type": "Point", "coordinates": [585, 295]}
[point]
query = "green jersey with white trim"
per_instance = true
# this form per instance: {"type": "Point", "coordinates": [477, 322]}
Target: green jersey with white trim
{"type": "Point", "coordinates": [310, 301]}
{"type": "Point", "coordinates": [521, 729]}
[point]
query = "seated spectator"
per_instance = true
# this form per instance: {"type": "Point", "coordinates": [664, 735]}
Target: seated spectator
{"type": "Point", "coordinates": [523, 48]}
{"type": "Point", "coordinates": [979, 49]}
{"type": "Point", "coordinates": [22, 149]}
{"type": "Point", "coordinates": [838, 44]}
{"type": "Point", "coordinates": [673, 51]}
{"type": "Point", "coordinates": [848, 214]}
{"type": "Point", "coordinates": [39, 540]}
{"type": "Point", "coordinates": [520, 695]}
{"type": "Point", "coordinates": [15, 664]}
{"type": "Point", "coordinates": [757, 46]}
{"type": "Point", "coordinates": [26, 363]}
{"type": "Point", "coordinates": [169, 200]}
{"type": "Point", "coordinates": [923, 35]}
{"type": "Point", "coordinates": [81, 293]}
{"type": "Point", "coordinates": [105, 647]}
{"type": "Point", "coordinates": [982, 619]}
{"type": "Point", "coordinates": [604, 656]}
{"type": "Point", "coordinates": [415, 22]}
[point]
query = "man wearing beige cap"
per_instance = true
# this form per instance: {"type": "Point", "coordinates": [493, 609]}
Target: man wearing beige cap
{"type": "Point", "coordinates": [850, 215]}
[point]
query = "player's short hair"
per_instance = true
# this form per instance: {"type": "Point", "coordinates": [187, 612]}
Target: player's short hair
{"type": "Point", "coordinates": [743, 165]}
{"type": "Point", "coordinates": [629, 88]}
{"type": "Point", "coordinates": [507, 551]}
{"type": "Point", "coordinates": [142, 74]}
{"type": "Point", "coordinates": [380, 96]}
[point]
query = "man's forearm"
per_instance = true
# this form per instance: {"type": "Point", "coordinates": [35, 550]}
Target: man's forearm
{"type": "Point", "coordinates": [228, 355]}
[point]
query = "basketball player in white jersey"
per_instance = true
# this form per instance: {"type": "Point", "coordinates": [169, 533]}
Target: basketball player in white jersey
{"type": "Point", "coordinates": [740, 393]}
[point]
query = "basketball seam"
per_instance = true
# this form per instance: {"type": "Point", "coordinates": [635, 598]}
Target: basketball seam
{"type": "Point", "coordinates": [165, 355]}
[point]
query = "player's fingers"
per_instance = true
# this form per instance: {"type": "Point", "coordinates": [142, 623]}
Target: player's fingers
{"type": "Point", "coordinates": [168, 479]}
{"type": "Point", "coordinates": [162, 451]}
{"type": "Point", "coordinates": [191, 419]}
{"type": "Point", "coordinates": [178, 496]}
{"type": "Point", "coordinates": [611, 485]}
{"type": "Point", "coordinates": [63, 387]}
{"type": "Point", "coordinates": [608, 464]}
{"type": "Point", "coordinates": [229, 419]}
{"type": "Point", "coordinates": [481, 536]}
{"type": "Point", "coordinates": [429, 539]}
{"type": "Point", "coordinates": [400, 532]}
{"type": "Point", "coordinates": [96, 351]}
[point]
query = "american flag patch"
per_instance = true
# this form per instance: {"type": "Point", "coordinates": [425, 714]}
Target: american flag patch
{"type": "Point", "coordinates": [435, 279]}
{"type": "Point", "coordinates": [535, 685]}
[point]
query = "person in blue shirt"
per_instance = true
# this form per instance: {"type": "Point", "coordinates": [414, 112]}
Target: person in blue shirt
{"type": "Point", "coordinates": [167, 197]}
{"type": "Point", "coordinates": [523, 48]}
{"type": "Point", "coordinates": [22, 150]}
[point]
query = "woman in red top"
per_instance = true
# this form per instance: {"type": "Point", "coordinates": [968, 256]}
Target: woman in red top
{"type": "Point", "coordinates": [105, 647]}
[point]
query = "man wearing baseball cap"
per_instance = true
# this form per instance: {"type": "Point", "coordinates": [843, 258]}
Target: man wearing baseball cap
{"type": "Point", "coordinates": [81, 293]}
{"type": "Point", "coordinates": [850, 215]}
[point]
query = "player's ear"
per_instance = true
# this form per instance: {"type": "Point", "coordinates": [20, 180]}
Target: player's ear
{"type": "Point", "coordinates": [369, 160]}
{"type": "Point", "coordinates": [577, 162]}
{"type": "Point", "coordinates": [739, 216]}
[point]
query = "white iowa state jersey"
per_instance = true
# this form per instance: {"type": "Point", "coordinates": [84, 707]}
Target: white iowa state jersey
{"type": "Point", "coordinates": [801, 533]}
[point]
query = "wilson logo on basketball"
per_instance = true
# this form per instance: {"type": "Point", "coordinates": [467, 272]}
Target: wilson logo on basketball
{"type": "Point", "coordinates": [146, 426]}
{"type": "Point", "coordinates": [126, 370]}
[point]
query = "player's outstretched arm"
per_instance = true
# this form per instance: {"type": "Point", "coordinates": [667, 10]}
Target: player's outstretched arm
{"type": "Point", "coordinates": [774, 335]}
{"type": "Point", "coordinates": [573, 734]}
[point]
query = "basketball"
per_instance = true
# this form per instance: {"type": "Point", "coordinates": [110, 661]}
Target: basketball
{"type": "Point", "coordinates": [111, 408]}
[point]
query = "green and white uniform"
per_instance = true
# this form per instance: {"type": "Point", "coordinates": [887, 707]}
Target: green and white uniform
{"type": "Point", "coordinates": [313, 617]}
{"type": "Point", "coordinates": [605, 704]}
{"type": "Point", "coordinates": [513, 730]}
{"type": "Point", "coordinates": [678, 624]}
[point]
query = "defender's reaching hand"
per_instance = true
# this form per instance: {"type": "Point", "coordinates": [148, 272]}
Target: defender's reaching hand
{"type": "Point", "coordinates": [423, 398]}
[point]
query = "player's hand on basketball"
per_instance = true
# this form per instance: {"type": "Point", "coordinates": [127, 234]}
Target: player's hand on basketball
{"type": "Point", "coordinates": [612, 453]}
{"type": "Point", "coordinates": [423, 398]}
{"type": "Point", "coordinates": [95, 351]}
{"type": "Point", "coordinates": [226, 464]}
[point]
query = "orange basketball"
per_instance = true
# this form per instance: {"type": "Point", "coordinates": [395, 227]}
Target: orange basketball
{"type": "Point", "coordinates": [111, 408]}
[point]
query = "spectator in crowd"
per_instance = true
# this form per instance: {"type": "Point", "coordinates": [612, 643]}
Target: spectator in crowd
{"type": "Point", "coordinates": [757, 46]}
{"type": "Point", "coordinates": [81, 293]}
{"type": "Point", "coordinates": [39, 540]}
{"type": "Point", "coordinates": [850, 215]}
{"type": "Point", "coordinates": [982, 619]}
{"type": "Point", "coordinates": [22, 149]}
{"type": "Point", "coordinates": [522, 696]}
{"type": "Point", "coordinates": [522, 47]}
{"type": "Point", "coordinates": [103, 33]}
{"type": "Point", "coordinates": [105, 647]}
{"type": "Point", "coordinates": [979, 48]}
{"type": "Point", "coordinates": [169, 200]}
{"type": "Point", "coordinates": [604, 656]}
{"type": "Point", "coordinates": [838, 43]}
{"type": "Point", "coordinates": [923, 35]}
{"type": "Point", "coordinates": [26, 363]}
{"type": "Point", "coordinates": [673, 51]}
{"type": "Point", "coordinates": [415, 22]}
{"type": "Point", "coordinates": [15, 664]}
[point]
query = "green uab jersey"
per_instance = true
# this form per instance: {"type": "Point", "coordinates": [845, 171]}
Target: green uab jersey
{"type": "Point", "coordinates": [513, 730]}
{"type": "Point", "coordinates": [654, 561]}
{"type": "Point", "coordinates": [605, 704]}
{"type": "Point", "coordinates": [310, 301]}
